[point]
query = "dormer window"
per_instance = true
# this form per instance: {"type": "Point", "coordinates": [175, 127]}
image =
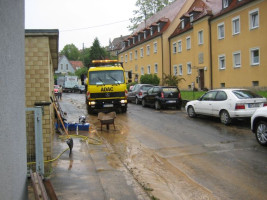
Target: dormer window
{"type": "Point", "coordinates": [151, 31]}
{"type": "Point", "coordinates": [158, 27]}
{"type": "Point", "coordinates": [129, 42]}
{"type": "Point", "coordinates": [144, 34]}
{"type": "Point", "coordinates": [225, 3]}
{"type": "Point", "coordinates": [191, 18]}
{"type": "Point", "coordinates": [133, 40]}
{"type": "Point", "coordinates": [182, 24]}
{"type": "Point", "coordinates": [139, 38]}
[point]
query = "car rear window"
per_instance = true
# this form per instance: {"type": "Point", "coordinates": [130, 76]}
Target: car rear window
{"type": "Point", "coordinates": [169, 90]}
{"type": "Point", "coordinates": [146, 87]}
{"type": "Point", "coordinates": [246, 94]}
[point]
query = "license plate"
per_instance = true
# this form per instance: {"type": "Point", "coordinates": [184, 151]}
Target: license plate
{"type": "Point", "coordinates": [108, 105]}
{"type": "Point", "coordinates": [171, 101]}
{"type": "Point", "coordinates": [254, 105]}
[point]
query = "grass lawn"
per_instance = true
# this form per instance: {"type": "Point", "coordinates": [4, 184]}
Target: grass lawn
{"type": "Point", "coordinates": [190, 95]}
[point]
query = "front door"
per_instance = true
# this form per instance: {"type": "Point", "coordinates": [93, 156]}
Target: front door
{"type": "Point", "coordinates": [201, 79]}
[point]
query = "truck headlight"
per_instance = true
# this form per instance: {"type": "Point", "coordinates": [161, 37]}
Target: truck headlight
{"type": "Point", "coordinates": [123, 101]}
{"type": "Point", "coordinates": [91, 103]}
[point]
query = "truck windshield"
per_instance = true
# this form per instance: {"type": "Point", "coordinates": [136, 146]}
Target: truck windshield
{"type": "Point", "coordinates": [106, 77]}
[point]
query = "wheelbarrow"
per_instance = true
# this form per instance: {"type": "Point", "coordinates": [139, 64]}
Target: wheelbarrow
{"type": "Point", "coordinates": [107, 119]}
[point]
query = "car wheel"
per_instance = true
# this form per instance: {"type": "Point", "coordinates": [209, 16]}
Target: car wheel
{"type": "Point", "coordinates": [143, 103]}
{"type": "Point", "coordinates": [191, 112]}
{"type": "Point", "coordinates": [261, 133]}
{"type": "Point", "coordinates": [225, 117]}
{"type": "Point", "coordinates": [157, 105]}
{"type": "Point", "coordinates": [136, 101]}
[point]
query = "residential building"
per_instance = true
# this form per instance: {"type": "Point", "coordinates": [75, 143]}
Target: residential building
{"type": "Point", "coordinates": [76, 64]}
{"type": "Point", "coordinates": [147, 49]}
{"type": "Point", "coordinates": [222, 43]}
{"type": "Point", "coordinates": [116, 45]}
{"type": "Point", "coordinates": [64, 66]}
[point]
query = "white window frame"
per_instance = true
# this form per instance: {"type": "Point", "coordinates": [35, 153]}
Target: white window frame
{"type": "Point", "coordinates": [135, 54]}
{"type": "Point", "coordinates": [252, 50]}
{"type": "Point", "coordinates": [221, 34]}
{"type": "Point", "coordinates": [225, 3]}
{"type": "Point", "coordinates": [220, 58]}
{"type": "Point", "coordinates": [189, 69]}
{"type": "Point", "coordinates": [144, 34]}
{"type": "Point", "coordinates": [131, 56]}
{"type": "Point", "coordinates": [180, 69]}
{"type": "Point", "coordinates": [158, 27]}
{"type": "Point", "coordinates": [148, 50]}
{"type": "Point", "coordinates": [142, 71]}
{"type": "Point", "coordinates": [251, 24]}
{"type": "Point", "coordinates": [136, 68]}
{"type": "Point", "coordinates": [155, 47]}
{"type": "Point", "coordinates": [235, 64]}
{"type": "Point", "coordinates": [175, 70]}
{"type": "Point", "coordinates": [174, 47]}
{"type": "Point", "coordinates": [188, 44]}
{"type": "Point", "coordinates": [151, 31]}
{"type": "Point", "coordinates": [142, 52]}
{"type": "Point", "coordinates": [179, 46]}
{"type": "Point", "coordinates": [126, 58]}
{"type": "Point", "coordinates": [191, 17]}
{"type": "Point", "coordinates": [182, 24]}
{"type": "Point", "coordinates": [200, 37]}
{"type": "Point", "coordinates": [121, 58]}
{"type": "Point", "coordinates": [234, 27]}
{"type": "Point", "coordinates": [156, 68]}
{"type": "Point", "coordinates": [148, 69]}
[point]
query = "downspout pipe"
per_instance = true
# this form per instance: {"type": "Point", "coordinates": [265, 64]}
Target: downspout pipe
{"type": "Point", "coordinates": [211, 80]}
{"type": "Point", "coordinates": [170, 63]}
{"type": "Point", "coordinates": [162, 56]}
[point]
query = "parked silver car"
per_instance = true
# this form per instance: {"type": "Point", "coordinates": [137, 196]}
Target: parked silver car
{"type": "Point", "coordinates": [259, 125]}
{"type": "Point", "coordinates": [137, 92]}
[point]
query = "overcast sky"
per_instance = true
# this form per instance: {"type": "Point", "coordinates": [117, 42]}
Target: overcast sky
{"type": "Point", "coordinates": [81, 21]}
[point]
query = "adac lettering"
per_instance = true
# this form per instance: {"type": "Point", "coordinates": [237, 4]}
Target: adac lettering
{"type": "Point", "coordinates": [107, 89]}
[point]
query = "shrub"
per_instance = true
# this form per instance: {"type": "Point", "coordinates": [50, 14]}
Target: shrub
{"type": "Point", "coordinates": [150, 79]}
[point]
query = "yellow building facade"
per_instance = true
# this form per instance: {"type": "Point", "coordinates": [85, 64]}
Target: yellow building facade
{"type": "Point", "coordinates": [147, 50]}
{"type": "Point", "coordinates": [238, 51]}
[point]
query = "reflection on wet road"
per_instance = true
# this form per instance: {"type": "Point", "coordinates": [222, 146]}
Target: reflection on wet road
{"type": "Point", "coordinates": [175, 157]}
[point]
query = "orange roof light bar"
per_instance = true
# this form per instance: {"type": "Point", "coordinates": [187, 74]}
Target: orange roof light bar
{"type": "Point", "coordinates": [105, 61]}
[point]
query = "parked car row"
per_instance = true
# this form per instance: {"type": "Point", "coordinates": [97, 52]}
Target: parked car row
{"type": "Point", "coordinates": [155, 96]}
{"type": "Point", "coordinates": [226, 104]}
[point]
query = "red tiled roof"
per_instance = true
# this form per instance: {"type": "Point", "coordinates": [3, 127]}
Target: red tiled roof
{"type": "Point", "coordinates": [76, 64]}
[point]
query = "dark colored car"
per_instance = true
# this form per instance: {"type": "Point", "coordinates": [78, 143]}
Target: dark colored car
{"type": "Point", "coordinates": [163, 97]}
{"type": "Point", "coordinates": [137, 92]}
{"type": "Point", "coordinates": [79, 88]}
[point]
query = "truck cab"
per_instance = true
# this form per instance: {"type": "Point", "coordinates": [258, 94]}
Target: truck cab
{"type": "Point", "coordinates": [106, 87]}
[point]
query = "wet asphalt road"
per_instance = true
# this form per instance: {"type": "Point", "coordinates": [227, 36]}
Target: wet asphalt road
{"type": "Point", "coordinates": [176, 157]}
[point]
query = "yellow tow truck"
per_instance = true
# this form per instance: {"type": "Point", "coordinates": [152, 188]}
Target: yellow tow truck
{"type": "Point", "coordinates": [106, 87]}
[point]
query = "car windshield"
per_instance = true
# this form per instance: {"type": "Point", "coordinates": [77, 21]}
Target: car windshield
{"type": "Point", "coordinates": [56, 86]}
{"type": "Point", "coordinates": [106, 77]}
{"type": "Point", "coordinates": [246, 94]}
{"type": "Point", "coordinates": [146, 87]}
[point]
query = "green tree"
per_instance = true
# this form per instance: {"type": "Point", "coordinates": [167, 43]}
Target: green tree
{"type": "Point", "coordinates": [171, 80]}
{"type": "Point", "coordinates": [150, 79]}
{"type": "Point", "coordinates": [146, 8]}
{"type": "Point", "coordinates": [71, 52]}
{"type": "Point", "coordinates": [97, 52]}
{"type": "Point", "coordinates": [81, 71]}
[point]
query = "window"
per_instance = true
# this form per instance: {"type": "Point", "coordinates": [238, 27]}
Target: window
{"type": "Point", "coordinates": [189, 68]}
{"type": "Point", "coordinates": [222, 85]}
{"type": "Point", "coordinates": [255, 83]}
{"type": "Point", "coordinates": [131, 56]}
{"type": "Point", "coordinates": [180, 70]}
{"type": "Point", "coordinates": [225, 3]}
{"type": "Point", "coordinates": [174, 45]}
{"type": "Point", "coordinates": [133, 40]}
{"type": "Point", "coordinates": [144, 34]}
{"type": "Point", "coordinates": [221, 96]}
{"type": "Point", "coordinates": [151, 31]}
{"type": "Point", "coordinates": [221, 31]}
{"type": "Point", "coordinates": [191, 18]}
{"type": "Point", "coordinates": [135, 54]}
{"type": "Point", "coordinates": [182, 23]}
{"type": "Point", "coordinates": [148, 69]}
{"type": "Point", "coordinates": [136, 68]}
{"type": "Point", "coordinates": [62, 66]}
{"type": "Point", "coordinates": [148, 50]}
{"type": "Point", "coordinates": [237, 59]}
{"type": "Point", "coordinates": [222, 62]}
{"type": "Point", "coordinates": [139, 38]}
{"type": "Point", "coordinates": [188, 43]}
{"type": "Point", "coordinates": [155, 47]}
{"type": "Point", "coordinates": [121, 58]}
{"type": "Point", "coordinates": [142, 70]}
{"type": "Point", "coordinates": [67, 67]}
{"type": "Point", "coordinates": [254, 19]}
{"type": "Point", "coordinates": [200, 37]}
{"type": "Point", "coordinates": [156, 68]}
{"type": "Point", "coordinates": [236, 25]}
{"type": "Point", "coordinates": [175, 70]}
{"type": "Point", "coordinates": [179, 46]}
{"type": "Point", "coordinates": [141, 52]}
{"type": "Point", "coordinates": [158, 27]}
{"type": "Point", "coordinates": [126, 58]}
{"type": "Point", "coordinates": [255, 56]}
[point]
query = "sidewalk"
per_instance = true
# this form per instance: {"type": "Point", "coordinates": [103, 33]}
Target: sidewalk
{"type": "Point", "coordinates": [92, 172]}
